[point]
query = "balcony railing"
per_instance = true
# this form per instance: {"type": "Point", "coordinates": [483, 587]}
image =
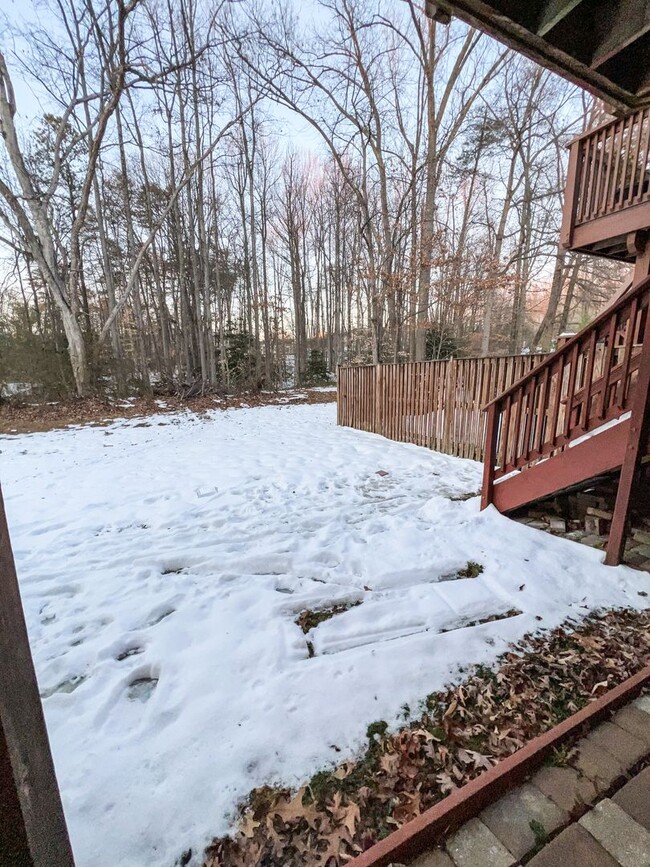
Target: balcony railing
{"type": "Point", "coordinates": [608, 178]}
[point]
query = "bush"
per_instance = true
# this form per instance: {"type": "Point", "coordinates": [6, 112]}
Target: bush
{"type": "Point", "coordinates": [440, 344]}
{"type": "Point", "coordinates": [316, 373]}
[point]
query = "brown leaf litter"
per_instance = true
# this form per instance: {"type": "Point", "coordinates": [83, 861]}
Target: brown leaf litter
{"type": "Point", "coordinates": [459, 733]}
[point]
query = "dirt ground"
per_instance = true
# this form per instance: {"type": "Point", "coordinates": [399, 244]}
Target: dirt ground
{"type": "Point", "coordinates": [20, 417]}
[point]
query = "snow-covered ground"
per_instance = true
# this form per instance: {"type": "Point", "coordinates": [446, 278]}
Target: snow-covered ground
{"type": "Point", "coordinates": [163, 564]}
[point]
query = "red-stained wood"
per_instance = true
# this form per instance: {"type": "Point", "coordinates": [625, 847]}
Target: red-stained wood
{"type": "Point", "coordinates": [436, 404]}
{"type": "Point", "coordinates": [600, 453]}
{"type": "Point", "coordinates": [639, 427]}
{"type": "Point", "coordinates": [490, 454]}
{"type": "Point", "coordinates": [605, 196]}
{"type": "Point", "coordinates": [30, 792]}
{"type": "Point", "coordinates": [432, 827]}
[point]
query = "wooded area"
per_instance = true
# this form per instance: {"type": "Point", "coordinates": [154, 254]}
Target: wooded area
{"type": "Point", "coordinates": [199, 195]}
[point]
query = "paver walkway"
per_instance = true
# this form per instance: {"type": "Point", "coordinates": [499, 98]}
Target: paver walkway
{"type": "Point", "coordinates": [587, 811]}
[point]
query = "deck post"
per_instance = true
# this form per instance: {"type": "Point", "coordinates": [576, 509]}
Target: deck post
{"type": "Point", "coordinates": [490, 457]}
{"type": "Point", "coordinates": [571, 193]}
{"type": "Point", "coordinates": [630, 470]}
{"type": "Point", "coordinates": [33, 829]}
{"type": "Point", "coordinates": [379, 398]}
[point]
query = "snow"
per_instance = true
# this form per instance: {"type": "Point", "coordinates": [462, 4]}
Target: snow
{"type": "Point", "coordinates": [162, 569]}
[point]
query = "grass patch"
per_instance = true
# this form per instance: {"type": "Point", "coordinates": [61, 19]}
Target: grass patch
{"type": "Point", "coordinates": [539, 832]}
{"type": "Point", "coordinates": [472, 570]}
{"type": "Point", "coordinates": [311, 617]}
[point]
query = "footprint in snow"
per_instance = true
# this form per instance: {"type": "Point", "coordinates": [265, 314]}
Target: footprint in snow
{"type": "Point", "coordinates": [141, 689]}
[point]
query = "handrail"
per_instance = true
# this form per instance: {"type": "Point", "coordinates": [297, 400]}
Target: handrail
{"type": "Point", "coordinates": [590, 381]}
{"type": "Point", "coordinates": [619, 304]}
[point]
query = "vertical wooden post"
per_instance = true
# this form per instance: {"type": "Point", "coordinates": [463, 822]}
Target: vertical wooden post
{"type": "Point", "coordinates": [637, 439]}
{"type": "Point", "coordinates": [379, 396]}
{"type": "Point", "coordinates": [570, 195]}
{"type": "Point", "coordinates": [339, 409]}
{"type": "Point", "coordinates": [28, 787]}
{"type": "Point", "coordinates": [490, 457]}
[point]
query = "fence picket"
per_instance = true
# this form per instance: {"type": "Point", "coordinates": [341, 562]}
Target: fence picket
{"type": "Point", "coordinates": [437, 404]}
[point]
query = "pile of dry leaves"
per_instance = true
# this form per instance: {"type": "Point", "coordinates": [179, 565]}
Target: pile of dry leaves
{"type": "Point", "coordinates": [461, 732]}
{"type": "Point", "coordinates": [20, 417]}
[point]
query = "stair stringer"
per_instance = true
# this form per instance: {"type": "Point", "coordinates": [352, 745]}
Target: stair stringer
{"type": "Point", "coordinates": [601, 453]}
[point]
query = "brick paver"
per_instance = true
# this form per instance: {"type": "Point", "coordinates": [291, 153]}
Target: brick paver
{"type": "Point", "coordinates": [635, 721]}
{"type": "Point", "coordinates": [626, 748]}
{"type": "Point", "coordinates": [613, 833]}
{"type": "Point", "coordinates": [436, 858]}
{"type": "Point", "coordinates": [643, 703]}
{"type": "Point", "coordinates": [597, 764]}
{"type": "Point", "coordinates": [510, 818]}
{"type": "Point", "coordinates": [567, 788]}
{"type": "Point", "coordinates": [634, 798]}
{"type": "Point", "coordinates": [476, 846]}
{"type": "Point", "coordinates": [574, 847]}
{"type": "Point", "coordinates": [625, 840]}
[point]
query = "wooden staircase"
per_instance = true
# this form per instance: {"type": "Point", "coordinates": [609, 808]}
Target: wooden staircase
{"type": "Point", "coordinates": [583, 412]}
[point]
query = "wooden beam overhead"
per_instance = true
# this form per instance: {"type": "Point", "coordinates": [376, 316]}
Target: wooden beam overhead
{"type": "Point", "coordinates": [554, 12]}
{"type": "Point", "coordinates": [575, 39]}
{"type": "Point", "coordinates": [632, 22]}
{"type": "Point", "coordinates": [434, 12]}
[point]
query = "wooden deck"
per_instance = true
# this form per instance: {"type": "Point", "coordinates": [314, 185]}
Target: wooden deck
{"type": "Point", "coordinates": [608, 188]}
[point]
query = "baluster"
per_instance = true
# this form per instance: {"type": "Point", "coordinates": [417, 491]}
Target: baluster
{"type": "Point", "coordinates": [643, 162]}
{"type": "Point", "coordinates": [638, 127]}
{"type": "Point", "coordinates": [585, 150]}
{"type": "Point", "coordinates": [555, 412]}
{"type": "Point", "coordinates": [541, 413]}
{"type": "Point", "coordinates": [609, 354]}
{"type": "Point", "coordinates": [570, 390]}
{"type": "Point", "coordinates": [627, 354]}
{"type": "Point", "coordinates": [588, 381]}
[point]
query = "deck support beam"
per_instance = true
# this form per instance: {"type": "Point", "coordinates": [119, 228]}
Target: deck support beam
{"type": "Point", "coordinates": [639, 246]}
{"type": "Point", "coordinates": [631, 467]}
{"type": "Point", "coordinates": [33, 830]}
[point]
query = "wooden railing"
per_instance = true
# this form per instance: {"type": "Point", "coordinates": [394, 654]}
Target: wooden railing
{"type": "Point", "coordinates": [609, 171]}
{"type": "Point", "coordinates": [436, 404]}
{"type": "Point", "coordinates": [584, 385]}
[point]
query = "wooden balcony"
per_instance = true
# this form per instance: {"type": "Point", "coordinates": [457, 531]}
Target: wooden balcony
{"type": "Point", "coordinates": [581, 413]}
{"type": "Point", "coordinates": [608, 188]}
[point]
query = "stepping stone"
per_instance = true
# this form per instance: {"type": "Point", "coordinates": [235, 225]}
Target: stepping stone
{"type": "Point", "coordinates": [625, 840]}
{"type": "Point", "coordinates": [474, 845]}
{"type": "Point", "coordinates": [574, 847]}
{"type": "Point", "coordinates": [620, 743]}
{"type": "Point", "coordinates": [436, 858]}
{"type": "Point", "coordinates": [634, 721]}
{"type": "Point", "coordinates": [634, 798]}
{"type": "Point", "coordinates": [567, 788]}
{"type": "Point", "coordinates": [597, 764]}
{"type": "Point", "coordinates": [510, 818]}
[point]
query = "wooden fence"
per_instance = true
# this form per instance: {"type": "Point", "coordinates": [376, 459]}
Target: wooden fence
{"type": "Point", "coordinates": [437, 404]}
